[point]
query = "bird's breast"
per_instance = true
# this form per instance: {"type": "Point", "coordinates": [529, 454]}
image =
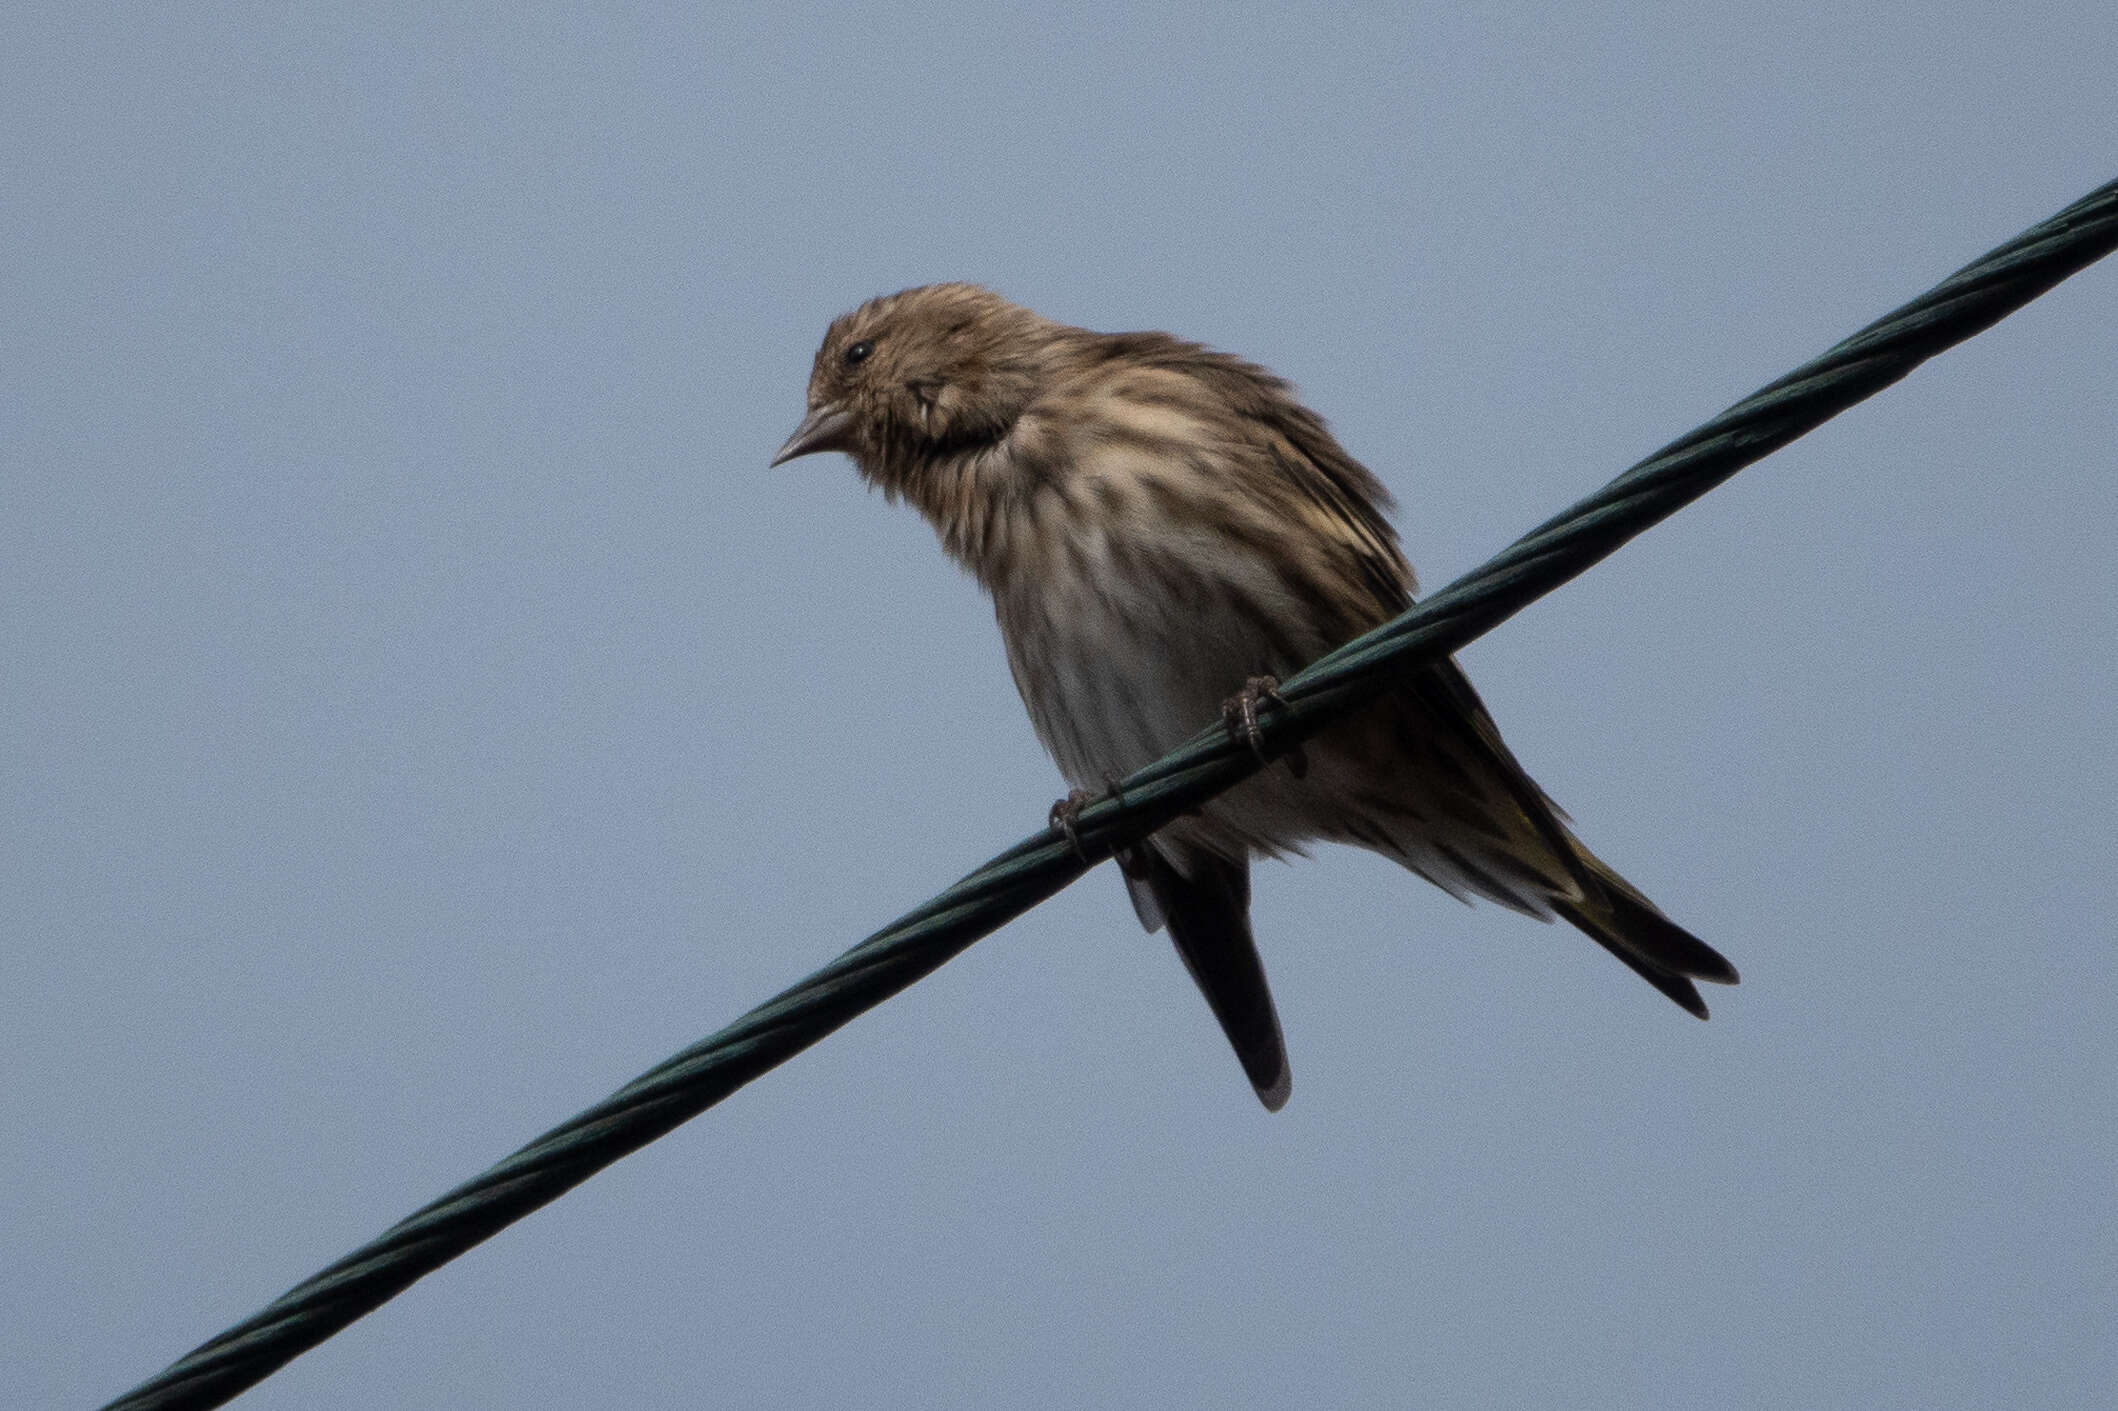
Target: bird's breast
{"type": "Point", "coordinates": [1125, 633]}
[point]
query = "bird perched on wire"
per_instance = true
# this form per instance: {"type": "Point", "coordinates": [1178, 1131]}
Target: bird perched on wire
{"type": "Point", "coordinates": [1165, 531]}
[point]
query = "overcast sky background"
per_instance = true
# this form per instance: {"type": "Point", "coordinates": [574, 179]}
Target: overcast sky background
{"type": "Point", "coordinates": [422, 709]}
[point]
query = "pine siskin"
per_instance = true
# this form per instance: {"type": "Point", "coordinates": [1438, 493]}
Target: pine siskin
{"type": "Point", "coordinates": [1165, 530]}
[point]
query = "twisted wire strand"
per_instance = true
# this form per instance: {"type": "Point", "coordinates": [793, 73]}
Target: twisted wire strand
{"type": "Point", "coordinates": [924, 939]}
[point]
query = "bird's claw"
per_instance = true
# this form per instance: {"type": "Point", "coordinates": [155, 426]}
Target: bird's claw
{"type": "Point", "coordinates": [1239, 713]}
{"type": "Point", "coordinates": [1063, 815]}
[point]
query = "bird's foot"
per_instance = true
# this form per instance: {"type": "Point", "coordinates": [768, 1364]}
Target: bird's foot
{"type": "Point", "coordinates": [1239, 714]}
{"type": "Point", "coordinates": [1062, 817]}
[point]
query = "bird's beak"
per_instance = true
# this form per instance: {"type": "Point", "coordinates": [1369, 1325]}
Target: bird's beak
{"type": "Point", "coordinates": [826, 428]}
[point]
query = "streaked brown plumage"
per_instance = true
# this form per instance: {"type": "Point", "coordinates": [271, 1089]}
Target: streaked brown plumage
{"type": "Point", "coordinates": [1157, 523]}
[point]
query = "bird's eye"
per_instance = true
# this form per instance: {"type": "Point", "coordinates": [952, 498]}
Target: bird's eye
{"type": "Point", "coordinates": [858, 353]}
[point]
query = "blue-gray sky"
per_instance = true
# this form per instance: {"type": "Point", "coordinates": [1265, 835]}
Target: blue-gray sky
{"type": "Point", "coordinates": [422, 709]}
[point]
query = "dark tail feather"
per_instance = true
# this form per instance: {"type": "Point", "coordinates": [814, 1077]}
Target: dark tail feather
{"type": "Point", "coordinates": [1658, 950]}
{"type": "Point", "coordinates": [1208, 914]}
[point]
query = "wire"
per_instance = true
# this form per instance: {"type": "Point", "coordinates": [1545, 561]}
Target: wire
{"type": "Point", "coordinates": [926, 938]}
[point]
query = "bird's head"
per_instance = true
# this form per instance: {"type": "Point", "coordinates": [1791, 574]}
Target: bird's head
{"type": "Point", "coordinates": [911, 376]}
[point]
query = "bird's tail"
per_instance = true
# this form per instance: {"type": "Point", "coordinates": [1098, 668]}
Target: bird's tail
{"type": "Point", "coordinates": [1612, 913]}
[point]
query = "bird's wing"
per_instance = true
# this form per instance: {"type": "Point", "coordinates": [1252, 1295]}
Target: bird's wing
{"type": "Point", "coordinates": [1208, 915]}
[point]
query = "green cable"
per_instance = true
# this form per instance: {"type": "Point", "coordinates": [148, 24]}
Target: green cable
{"type": "Point", "coordinates": [920, 942]}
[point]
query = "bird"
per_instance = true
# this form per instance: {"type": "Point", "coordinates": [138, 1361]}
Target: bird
{"type": "Point", "coordinates": [1166, 532]}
